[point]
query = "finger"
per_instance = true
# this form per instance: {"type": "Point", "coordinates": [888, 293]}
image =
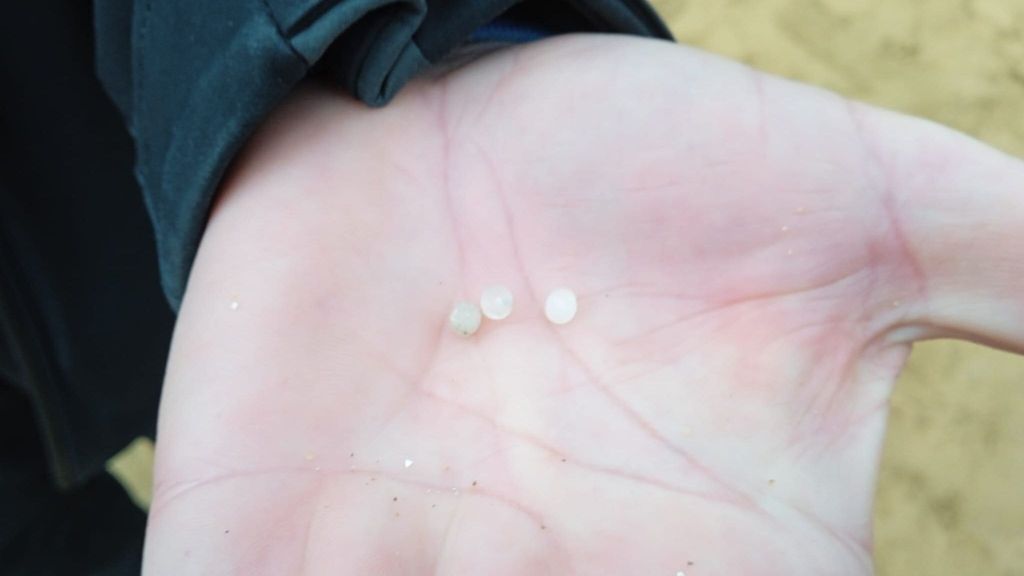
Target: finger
{"type": "Point", "coordinates": [958, 207]}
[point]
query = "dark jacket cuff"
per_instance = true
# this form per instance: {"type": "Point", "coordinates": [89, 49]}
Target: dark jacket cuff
{"type": "Point", "coordinates": [194, 78]}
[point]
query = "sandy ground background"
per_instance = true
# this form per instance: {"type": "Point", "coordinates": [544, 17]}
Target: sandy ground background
{"type": "Point", "coordinates": [951, 492]}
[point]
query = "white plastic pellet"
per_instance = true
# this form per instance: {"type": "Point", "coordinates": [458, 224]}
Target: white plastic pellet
{"type": "Point", "coordinates": [465, 318]}
{"type": "Point", "coordinates": [560, 306]}
{"type": "Point", "coordinates": [496, 302]}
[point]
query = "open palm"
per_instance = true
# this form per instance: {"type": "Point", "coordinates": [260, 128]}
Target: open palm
{"type": "Point", "coordinates": [753, 259]}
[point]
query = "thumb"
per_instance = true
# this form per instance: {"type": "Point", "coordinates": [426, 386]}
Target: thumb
{"type": "Point", "coordinates": [958, 206]}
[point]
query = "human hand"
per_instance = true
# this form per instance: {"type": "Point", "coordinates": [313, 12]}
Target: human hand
{"type": "Point", "coordinates": [753, 259]}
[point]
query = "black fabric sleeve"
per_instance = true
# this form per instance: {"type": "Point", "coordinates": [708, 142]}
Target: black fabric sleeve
{"type": "Point", "coordinates": [193, 78]}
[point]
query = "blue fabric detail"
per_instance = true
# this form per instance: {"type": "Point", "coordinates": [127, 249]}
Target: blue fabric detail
{"type": "Point", "coordinates": [512, 32]}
